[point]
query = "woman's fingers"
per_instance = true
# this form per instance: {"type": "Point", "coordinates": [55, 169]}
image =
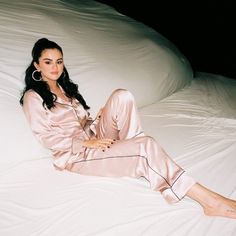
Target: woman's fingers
{"type": "Point", "coordinates": [99, 143]}
{"type": "Point", "coordinates": [105, 143]}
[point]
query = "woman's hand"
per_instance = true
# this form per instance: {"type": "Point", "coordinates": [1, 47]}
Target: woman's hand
{"type": "Point", "coordinates": [98, 143]}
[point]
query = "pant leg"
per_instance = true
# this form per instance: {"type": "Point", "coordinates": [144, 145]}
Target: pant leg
{"type": "Point", "coordinates": [136, 157]}
{"type": "Point", "coordinates": [119, 118]}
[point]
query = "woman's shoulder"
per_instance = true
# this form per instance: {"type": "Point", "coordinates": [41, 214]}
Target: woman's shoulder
{"type": "Point", "coordinates": [31, 96]}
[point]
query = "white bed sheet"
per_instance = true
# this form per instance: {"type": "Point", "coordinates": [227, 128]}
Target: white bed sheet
{"type": "Point", "coordinates": [196, 125]}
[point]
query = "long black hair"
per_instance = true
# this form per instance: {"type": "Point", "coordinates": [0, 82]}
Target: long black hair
{"type": "Point", "coordinates": [41, 87]}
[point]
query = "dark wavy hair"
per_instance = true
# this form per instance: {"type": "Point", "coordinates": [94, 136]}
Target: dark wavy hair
{"type": "Point", "coordinates": [41, 87]}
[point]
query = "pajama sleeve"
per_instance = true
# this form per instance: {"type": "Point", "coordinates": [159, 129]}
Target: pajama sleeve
{"type": "Point", "coordinates": [64, 144]}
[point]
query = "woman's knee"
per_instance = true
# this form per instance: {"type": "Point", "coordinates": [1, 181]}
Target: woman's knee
{"type": "Point", "coordinates": [123, 94]}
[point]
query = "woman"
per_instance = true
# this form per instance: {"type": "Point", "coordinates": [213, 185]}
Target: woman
{"type": "Point", "coordinates": [111, 145]}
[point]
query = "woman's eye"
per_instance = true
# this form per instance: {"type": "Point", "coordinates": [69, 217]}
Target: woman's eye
{"type": "Point", "coordinates": [59, 62]}
{"type": "Point", "coordinates": [47, 62]}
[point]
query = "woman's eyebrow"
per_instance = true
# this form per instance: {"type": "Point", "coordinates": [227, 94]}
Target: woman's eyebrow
{"type": "Point", "coordinates": [48, 59]}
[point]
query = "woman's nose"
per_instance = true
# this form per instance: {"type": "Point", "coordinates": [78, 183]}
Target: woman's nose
{"type": "Point", "coordinates": [54, 65]}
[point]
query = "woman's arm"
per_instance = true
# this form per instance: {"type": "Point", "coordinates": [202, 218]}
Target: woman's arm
{"type": "Point", "coordinates": [37, 117]}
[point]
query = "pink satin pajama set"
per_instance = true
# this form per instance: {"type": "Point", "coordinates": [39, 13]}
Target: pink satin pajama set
{"type": "Point", "coordinates": [64, 128]}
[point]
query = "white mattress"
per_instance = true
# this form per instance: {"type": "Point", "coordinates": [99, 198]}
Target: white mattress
{"type": "Point", "coordinates": [193, 118]}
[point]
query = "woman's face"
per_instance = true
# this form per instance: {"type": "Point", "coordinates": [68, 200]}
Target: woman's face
{"type": "Point", "coordinates": [50, 65]}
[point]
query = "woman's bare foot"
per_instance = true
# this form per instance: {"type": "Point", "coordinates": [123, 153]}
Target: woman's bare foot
{"type": "Point", "coordinates": [213, 203]}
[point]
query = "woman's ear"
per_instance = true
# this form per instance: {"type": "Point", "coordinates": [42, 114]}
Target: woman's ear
{"type": "Point", "coordinates": [36, 66]}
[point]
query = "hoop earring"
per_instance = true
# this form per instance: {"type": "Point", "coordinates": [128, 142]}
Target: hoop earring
{"type": "Point", "coordinates": [37, 80]}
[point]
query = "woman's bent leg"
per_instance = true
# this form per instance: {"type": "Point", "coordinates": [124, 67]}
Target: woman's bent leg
{"type": "Point", "coordinates": [119, 118]}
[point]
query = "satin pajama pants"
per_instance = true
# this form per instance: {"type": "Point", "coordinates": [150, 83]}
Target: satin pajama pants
{"type": "Point", "coordinates": [133, 154]}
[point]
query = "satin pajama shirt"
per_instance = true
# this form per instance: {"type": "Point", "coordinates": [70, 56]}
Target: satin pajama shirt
{"type": "Point", "coordinates": [64, 128]}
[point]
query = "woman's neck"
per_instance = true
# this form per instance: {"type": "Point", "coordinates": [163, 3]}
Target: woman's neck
{"type": "Point", "coordinates": [53, 86]}
{"type": "Point", "coordinates": [56, 89]}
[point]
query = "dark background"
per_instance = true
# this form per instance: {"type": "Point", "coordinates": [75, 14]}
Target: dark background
{"type": "Point", "coordinates": [202, 30]}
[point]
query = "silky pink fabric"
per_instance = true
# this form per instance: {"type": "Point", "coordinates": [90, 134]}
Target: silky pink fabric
{"type": "Point", "coordinates": [63, 129]}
